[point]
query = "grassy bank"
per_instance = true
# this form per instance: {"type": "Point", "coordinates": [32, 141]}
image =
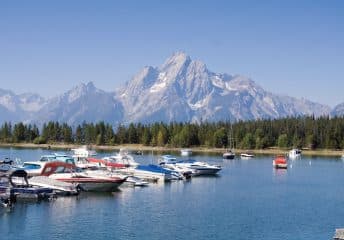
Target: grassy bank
{"type": "Point", "coordinates": [135, 147]}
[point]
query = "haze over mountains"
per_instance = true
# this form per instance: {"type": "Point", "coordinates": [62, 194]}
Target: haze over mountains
{"type": "Point", "coordinates": [181, 89]}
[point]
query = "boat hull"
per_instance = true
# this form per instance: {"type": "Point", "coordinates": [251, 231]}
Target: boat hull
{"type": "Point", "coordinates": [206, 171]}
{"type": "Point", "coordinates": [94, 185]}
{"type": "Point", "coordinates": [281, 166]}
{"type": "Point", "coordinates": [228, 156]}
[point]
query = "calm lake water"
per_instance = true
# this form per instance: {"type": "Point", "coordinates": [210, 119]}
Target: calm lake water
{"type": "Point", "coordinates": [247, 200]}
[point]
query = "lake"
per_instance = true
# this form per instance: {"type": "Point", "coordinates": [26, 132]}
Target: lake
{"type": "Point", "coordinates": [247, 200]}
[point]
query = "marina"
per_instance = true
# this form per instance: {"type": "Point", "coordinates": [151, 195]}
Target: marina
{"type": "Point", "coordinates": [244, 198]}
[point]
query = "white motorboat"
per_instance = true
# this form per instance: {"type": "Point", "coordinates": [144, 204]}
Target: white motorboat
{"type": "Point", "coordinates": [136, 182]}
{"type": "Point", "coordinates": [83, 152]}
{"type": "Point", "coordinates": [199, 168]}
{"type": "Point", "coordinates": [169, 162]}
{"type": "Point", "coordinates": [122, 157]}
{"type": "Point", "coordinates": [186, 152]}
{"type": "Point", "coordinates": [86, 181]}
{"type": "Point", "coordinates": [246, 156]}
{"type": "Point", "coordinates": [294, 153]}
{"type": "Point", "coordinates": [59, 187]}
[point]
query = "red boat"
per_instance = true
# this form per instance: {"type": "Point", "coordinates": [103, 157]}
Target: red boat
{"type": "Point", "coordinates": [106, 163]}
{"type": "Point", "coordinates": [280, 162]}
{"type": "Point", "coordinates": [87, 181]}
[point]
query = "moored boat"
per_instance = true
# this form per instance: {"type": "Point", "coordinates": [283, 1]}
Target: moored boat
{"type": "Point", "coordinates": [122, 157]}
{"type": "Point", "coordinates": [246, 155]}
{"type": "Point", "coordinates": [86, 181]}
{"type": "Point", "coordinates": [136, 181]}
{"type": "Point", "coordinates": [199, 168]}
{"type": "Point", "coordinates": [294, 153]}
{"type": "Point", "coordinates": [280, 162]}
{"type": "Point", "coordinates": [153, 172]}
{"type": "Point", "coordinates": [19, 187]}
{"type": "Point", "coordinates": [186, 152]}
{"type": "Point", "coordinates": [83, 152]}
{"type": "Point", "coordinates": [229, 154]}
{"type": "Point", "coordinates": [169, 162]}
{"type": "Point", "coordinates": [59, 187]}
{"type": "Point", "coordinates": [105, 162]}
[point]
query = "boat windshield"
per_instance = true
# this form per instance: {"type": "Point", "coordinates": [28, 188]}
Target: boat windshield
{"type": "Point", "coordinates": [31, 166]}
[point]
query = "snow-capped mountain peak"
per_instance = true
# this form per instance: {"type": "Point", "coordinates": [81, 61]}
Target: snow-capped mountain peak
{"type": "Point", "coordinates": [181, 89]}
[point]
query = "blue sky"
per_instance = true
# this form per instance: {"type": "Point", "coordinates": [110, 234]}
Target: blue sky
{"type": "Point", "coordinates": [288, 47]}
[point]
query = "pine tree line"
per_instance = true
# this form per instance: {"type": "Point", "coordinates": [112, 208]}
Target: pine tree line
{"type": "Point", "coordinates": [301, 132]}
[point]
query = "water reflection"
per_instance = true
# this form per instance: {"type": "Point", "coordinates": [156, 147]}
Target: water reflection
{"type": "Point", "coordinates": [279, 173]}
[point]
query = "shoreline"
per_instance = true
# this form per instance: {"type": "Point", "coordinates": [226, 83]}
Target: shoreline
{"type": "Point", "coordinates": [136, 147]}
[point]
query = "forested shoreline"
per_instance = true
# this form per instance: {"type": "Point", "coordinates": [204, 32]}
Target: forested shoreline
{"type": "Point", "coordinates": [302, 132]}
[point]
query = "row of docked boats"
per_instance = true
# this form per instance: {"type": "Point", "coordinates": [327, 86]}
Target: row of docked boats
{"type": "Point", "coordinates": [57, 174]}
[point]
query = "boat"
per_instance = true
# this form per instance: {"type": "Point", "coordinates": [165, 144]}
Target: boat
{"type": "Point", "coordinates": [136, 181]}
{"type": "Point", "coordinates": [229, 154]}
{"type": "Point", "coordinates": [294, 153]}
{"type": "Point", "coordinates": [280, 162]}
{"type": "Point", "coordinates": [153, 172]}
{"type": "Point", "coordinates": [246, 155]}
{"type": "Point", "coordinates": [169, 162]}
{"type": "Point", "coordinates": [86, 181]}
{"type": "Point", "coordinates": [83, 152]}
{"type": "Point", "coordinates": [34, 168]}
{"type": "Point", "coordinates": [186, 152]}
{"type": "Point", "coordinates": [59, 187]}
{"type": "Point", "coordinates": [19, 187]}
{"type": "Point", "coordinates": [122, 157]}
{"type": "Point", "coordinates": [103, 162]}
{"type": "Point", "coordinates": [199, 168]}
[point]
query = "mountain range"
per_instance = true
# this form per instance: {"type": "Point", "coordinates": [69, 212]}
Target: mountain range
{"type": "Point", "coordinates": [181, 89]}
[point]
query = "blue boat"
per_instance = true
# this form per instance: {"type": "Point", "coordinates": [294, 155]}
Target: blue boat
{"type": "Point", "coordinates": [155, 172]}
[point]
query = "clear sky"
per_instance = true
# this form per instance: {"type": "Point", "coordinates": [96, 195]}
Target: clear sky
{"type": "Point", "coordinates": [288, 47]}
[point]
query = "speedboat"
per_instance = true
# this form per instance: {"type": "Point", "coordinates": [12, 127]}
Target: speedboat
{"type": "Point", "coordinates": [103, 162]}
{"type": "Point", "coordinates": [85, 180]}
{"type": "Point", "coordinates": [199, 168]}
{"type": "Point", "coordinates": [136, 181]}
{"type": "Point", "coordinates": [59, 187]}
{"type": "Point", "coordinates": [83, 152]}
{"type": "Point", "coordinates": [169, 162]}
{"type": "Point", "coordinates": [153, 172]}
{"type": "Point", "coordinates": [294, 153]}
{"type": "Point", "coordinates": [280, 162]}
{"type": "Point", "coordinates": [122, 157]}
{"type": "Point", "coordinates": [246, 155]}
{"type": "Point", "coordinates": [186, 152]}
{"type": "Point", "coordinates": [229, 154]}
